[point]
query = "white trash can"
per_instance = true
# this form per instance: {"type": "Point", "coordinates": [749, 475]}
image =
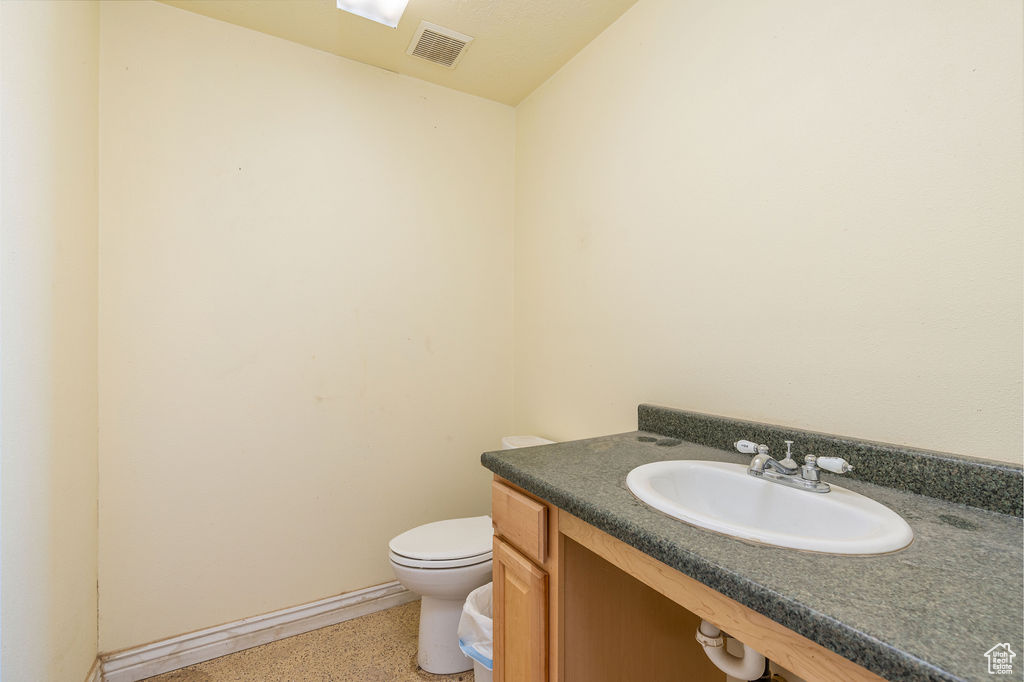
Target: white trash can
{"type": "Point", "coordinates": [476, 632]}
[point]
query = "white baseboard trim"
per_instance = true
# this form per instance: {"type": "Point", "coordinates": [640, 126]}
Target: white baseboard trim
{"type": "Point", "coordinates": [165, 655]}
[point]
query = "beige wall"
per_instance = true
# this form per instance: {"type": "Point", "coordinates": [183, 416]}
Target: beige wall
{"type": "Point", "coordinates": [305, 320]}
{"type": "Point", "coordinates": [48, 214]}
{"type": "Point", "coordinates": [798, 212]}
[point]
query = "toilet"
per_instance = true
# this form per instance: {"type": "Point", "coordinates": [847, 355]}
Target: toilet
{"type": "Point", "coordinates": [443, 562]}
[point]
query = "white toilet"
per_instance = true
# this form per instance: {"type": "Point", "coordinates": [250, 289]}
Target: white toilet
{"type": "Point", "coordinates": [443, 562]}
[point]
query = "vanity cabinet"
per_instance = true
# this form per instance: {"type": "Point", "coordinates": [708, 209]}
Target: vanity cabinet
{"type": "Point", "coordinates": [574, 603]}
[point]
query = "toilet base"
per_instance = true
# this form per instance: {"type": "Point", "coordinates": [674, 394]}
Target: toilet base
{"type": "Point", "coordinates": [439, 651]}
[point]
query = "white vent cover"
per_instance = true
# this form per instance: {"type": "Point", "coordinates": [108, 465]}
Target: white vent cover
{"type": "Point", "coordinates": [438, 44]}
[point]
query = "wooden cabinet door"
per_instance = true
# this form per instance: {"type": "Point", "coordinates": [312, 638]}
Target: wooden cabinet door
{"type": "Point", "coordinates": [520, 617]}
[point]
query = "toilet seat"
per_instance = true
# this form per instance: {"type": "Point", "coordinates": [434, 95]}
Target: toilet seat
{"type": "Point", "coordinates": [444, 544]}
{"type": "Point", "coordinates": [448, 563]}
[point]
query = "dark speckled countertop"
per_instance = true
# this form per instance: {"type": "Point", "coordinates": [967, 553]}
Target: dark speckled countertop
{"type": "Point", "coordinates": [928, 612]}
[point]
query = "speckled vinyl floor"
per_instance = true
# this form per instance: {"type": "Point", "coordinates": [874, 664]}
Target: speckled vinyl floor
{"type": "Point", "coordinates": [380, 647]}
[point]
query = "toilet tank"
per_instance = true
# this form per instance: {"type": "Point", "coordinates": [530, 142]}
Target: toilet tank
{"type": "Point", "coordinates": [512, 442]}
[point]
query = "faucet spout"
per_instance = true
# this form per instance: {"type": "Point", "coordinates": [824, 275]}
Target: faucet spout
{"type": "Point", "coordinates": [762, 461]}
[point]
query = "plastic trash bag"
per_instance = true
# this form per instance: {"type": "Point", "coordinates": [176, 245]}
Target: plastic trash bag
{"type": "Point", "coordinates": [476, 627]}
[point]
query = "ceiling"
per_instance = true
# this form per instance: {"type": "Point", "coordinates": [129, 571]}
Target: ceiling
{"type": "Point", "coordinates": [518, 43]}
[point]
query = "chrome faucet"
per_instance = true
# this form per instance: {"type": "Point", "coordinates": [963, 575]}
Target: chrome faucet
{"type": "Point", "coordinates": [763, 460]}
{"type": "Point", "coordinates": [786, 472]}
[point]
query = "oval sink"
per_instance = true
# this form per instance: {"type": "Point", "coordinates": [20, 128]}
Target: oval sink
{"type": "Point", "coordinates": [722, 497]}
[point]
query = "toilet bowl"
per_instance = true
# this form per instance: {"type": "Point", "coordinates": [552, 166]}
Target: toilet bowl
{"type": "Point", "coordinates": [443, 562]}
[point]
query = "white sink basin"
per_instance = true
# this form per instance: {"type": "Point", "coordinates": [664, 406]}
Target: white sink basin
{"type": "Point", "coordinates": [722, 497]}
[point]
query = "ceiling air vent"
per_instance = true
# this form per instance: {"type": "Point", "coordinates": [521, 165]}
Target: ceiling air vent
{"type": "Point", "coordinates": [438, 44]}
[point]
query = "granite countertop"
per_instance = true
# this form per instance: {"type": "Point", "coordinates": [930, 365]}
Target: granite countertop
{"type": "Point", "coordinates": [928, 612]}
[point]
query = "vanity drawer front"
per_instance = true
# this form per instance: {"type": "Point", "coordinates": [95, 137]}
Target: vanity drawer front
{"type": "Point", "coordinates": [522, 521]}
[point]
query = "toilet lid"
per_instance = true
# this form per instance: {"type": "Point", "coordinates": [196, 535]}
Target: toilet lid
{"type": "Point", "coordinates": [445, 540]}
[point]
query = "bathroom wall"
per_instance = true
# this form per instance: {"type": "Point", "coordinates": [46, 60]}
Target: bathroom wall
{"type": "Point", "coordinates": [797, 212]}
{"type": "Point", "coordinates": [48, 213]}
{"type": "Point", "coordinates": [305, 317]}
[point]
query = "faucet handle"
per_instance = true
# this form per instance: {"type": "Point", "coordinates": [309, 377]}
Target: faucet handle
{"type": "Point", "coordinates": [837, 465]}
{"type": "Point", "coordinates": [747, 447]}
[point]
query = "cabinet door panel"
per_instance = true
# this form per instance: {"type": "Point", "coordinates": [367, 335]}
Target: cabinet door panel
{"type": "Point", "coordinates": [520, 617]}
